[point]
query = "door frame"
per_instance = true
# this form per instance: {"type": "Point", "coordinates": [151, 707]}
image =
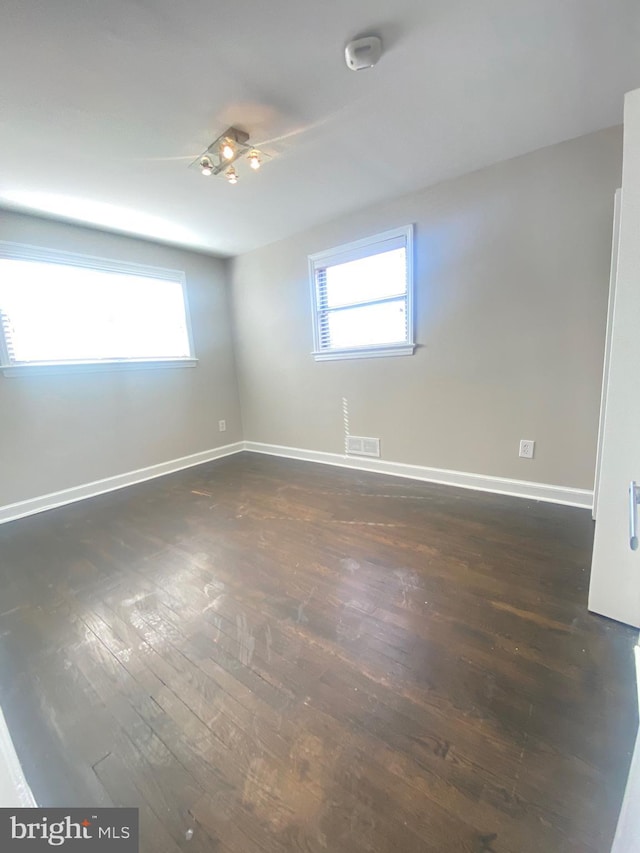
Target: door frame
{"type": "Point", "coordinates": [613, 277]}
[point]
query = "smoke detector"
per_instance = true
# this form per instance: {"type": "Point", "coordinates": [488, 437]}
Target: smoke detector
{"type": "Point", "coordinates": [363, 53]}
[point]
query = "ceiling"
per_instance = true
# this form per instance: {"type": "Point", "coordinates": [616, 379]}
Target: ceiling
{"type": "Point", "coordinates": [105, 104]}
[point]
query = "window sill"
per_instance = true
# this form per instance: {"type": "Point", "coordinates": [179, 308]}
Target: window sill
{"type": "Point", "coordinates": [365, 352]}
{"type": "Point", "coordinates": [47, 369]}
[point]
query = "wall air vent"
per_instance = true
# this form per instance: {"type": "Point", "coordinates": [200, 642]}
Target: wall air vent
{"type": "Point", "coordinates": [359, 446]}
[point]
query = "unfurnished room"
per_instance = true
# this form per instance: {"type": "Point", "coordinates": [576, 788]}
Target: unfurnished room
{"type": "Point", "coordinates": [320, 426]}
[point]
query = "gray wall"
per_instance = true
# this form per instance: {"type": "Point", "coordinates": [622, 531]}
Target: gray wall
{"type": "Point", "coordinates": [511, 275]}
{"type": "Point", "coordinates": [62, 431]}
{"type": "Point", "coordinates": [512, 267]}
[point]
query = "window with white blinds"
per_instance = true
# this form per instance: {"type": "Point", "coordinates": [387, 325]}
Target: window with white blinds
{"type": "Point", "coordinates": [60, 310]}
{"type": "Point", "coordinates": [362, 297]}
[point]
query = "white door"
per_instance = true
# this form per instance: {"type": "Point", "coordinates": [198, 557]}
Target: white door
{"type": "Point", "coordinates": [614, 589]}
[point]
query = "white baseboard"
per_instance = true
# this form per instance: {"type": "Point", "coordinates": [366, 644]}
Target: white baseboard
{"type": "Point", "coordinates": [10, 512]}
{"type": "Point", "coordinates": [500, 485]}
{"type": "Point", "coordinates": [461, 479]}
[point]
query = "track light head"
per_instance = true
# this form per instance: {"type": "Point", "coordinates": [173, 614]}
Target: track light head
{"type": "Point", "coordinates": [227, 151]}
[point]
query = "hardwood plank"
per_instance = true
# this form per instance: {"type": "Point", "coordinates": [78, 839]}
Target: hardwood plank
{"type": "Point", "coordinates": [291, 657]}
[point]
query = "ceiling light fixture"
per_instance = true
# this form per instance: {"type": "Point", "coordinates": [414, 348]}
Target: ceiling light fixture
{"type": "Point", "coordinates": [225, 152]}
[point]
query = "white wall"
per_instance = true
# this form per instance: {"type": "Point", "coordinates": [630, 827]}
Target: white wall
{"type": "Point", "coordinates": [512, 277]}
{"type": "Point", "coordinates": [512, 272]}
{"type": "Point", "coordinates": [61, 431]}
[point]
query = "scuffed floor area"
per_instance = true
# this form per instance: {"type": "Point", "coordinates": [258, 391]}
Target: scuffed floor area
{"type": "Point", "coordinates": [270, 655]}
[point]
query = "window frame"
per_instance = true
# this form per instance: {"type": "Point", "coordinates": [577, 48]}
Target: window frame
{"type": "Point", "coordinates": [354, 251]}
{"type": "Point", "coordinates": [26, 252]}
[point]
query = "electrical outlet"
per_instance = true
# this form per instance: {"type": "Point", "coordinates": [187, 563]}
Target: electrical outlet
{"type": "Point", "coordinates": [222, 425]}
{"type": "Point", "coordinates": [526, 448]}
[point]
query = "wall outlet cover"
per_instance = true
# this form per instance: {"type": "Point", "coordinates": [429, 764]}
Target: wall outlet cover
{"type": "Point", "coordinates": [527, 447]}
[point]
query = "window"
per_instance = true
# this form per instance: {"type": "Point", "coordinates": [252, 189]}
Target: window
{"type": "Point", "coordinates": [362, 297]}
{"type": "Point", "coordinates": [59, 310]}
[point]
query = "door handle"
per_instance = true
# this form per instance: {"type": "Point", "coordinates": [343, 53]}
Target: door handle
{"type": "Point", "coordinates": [634, 499]}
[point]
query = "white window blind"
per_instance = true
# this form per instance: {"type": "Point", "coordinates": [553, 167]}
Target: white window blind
{"type": "Point", "coordinates": [60, 309]}
{"type": "Point", "coordinates": [362, 297]}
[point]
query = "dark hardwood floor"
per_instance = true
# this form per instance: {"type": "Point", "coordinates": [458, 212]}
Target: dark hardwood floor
{"type": "Point", "coordinates": [284, 656]}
